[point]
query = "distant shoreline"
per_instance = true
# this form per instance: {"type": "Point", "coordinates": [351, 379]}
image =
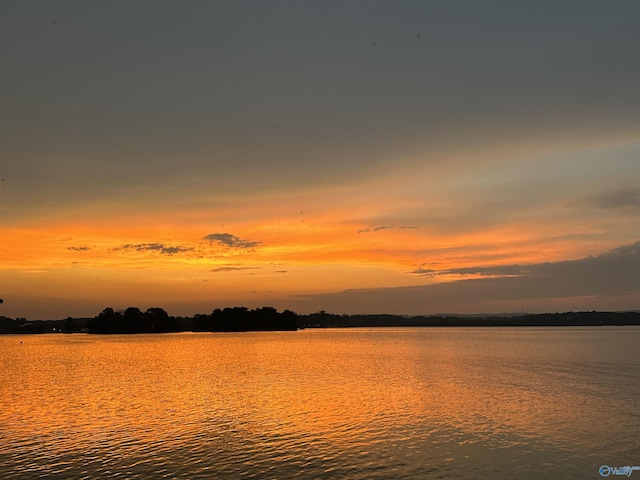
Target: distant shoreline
{"type": "Point", "coordinates": [584, 319]}
{"type": "Point", "coordinates": [240, 319]}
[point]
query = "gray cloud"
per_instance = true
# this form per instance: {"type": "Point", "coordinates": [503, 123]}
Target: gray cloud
{"type": "Point", "coordinates": [372, 103]}
{"type": "Point", "coordinates": [619, 259]}
{"type": "Point", "coordinates": [624, 251]}
{"type": "Point", "coordinates": [493, 271]}
{"type": "Point", "coordinates": [78, 249]}
{"type": "Point", "coordinates": [612, 278]}
{"type": "Point", "coordinates": [628, 197]}
{"type": "Point", "coordinates": [232, 269]}
{"type": "Point", "coordinates": [231, 241]}
{"type": "Point", "coordinates": [426, 272]}
{"type": "Point", "coordinates": [172, 250]}
{"type": "Point", "coordinates": [158, 247]}
{"type": "Point", "coordinates": [383, 227]}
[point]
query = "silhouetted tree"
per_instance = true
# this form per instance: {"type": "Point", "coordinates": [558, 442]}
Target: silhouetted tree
{"type": "Point", "coordinates": [134, 321]}
{"type": "Point", "coordinates": [289, 320]}
{"type": "Point", "coordinates": [202, 323]}
{"type": "Point", "coordinates": [8, 325]}
{"type": "Point", "coordinates": [240, 319]}
{"type": "Point", "coordinates": [107, 321]}
{"type": "Point", "coordinates": [69, 325]}
{"type": "Point", "coordinates": [158, 320]}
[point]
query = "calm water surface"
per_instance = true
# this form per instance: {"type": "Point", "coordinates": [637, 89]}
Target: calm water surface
{"type": "Point", "coordinates": [344, 403]}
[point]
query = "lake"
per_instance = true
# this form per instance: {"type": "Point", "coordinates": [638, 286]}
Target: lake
{"type": "Point", "coordinates": [325, 403]}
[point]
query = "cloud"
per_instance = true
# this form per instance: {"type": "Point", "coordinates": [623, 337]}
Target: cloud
{"type": "Point", "coordinates": [172, 250]}
{"type": "Point", "coordinates": [624, 251]}
{"type": "Point", "coordinates": [157, 247]}
{"type": "Point", "coordinates": [493, 271]}
{"type": "Point", "coordinates": [624, 198]}
{"type": "Point", "coordinates": [615, 262]}
{"type": "Point", "coordinates": [231, 241]}
{"type": "Point", "coordinates": [374, 229]}
{"type": "Point", "coordinates": [383, 227]}
{"type": "Point", "coordinates": [426, 272]}
{"type": "Point", "coordinates": [611, 278]}
{"type": "Point", "coordinates": [232, 269]}
{"type": "Point", "coordinates": [78, 249]}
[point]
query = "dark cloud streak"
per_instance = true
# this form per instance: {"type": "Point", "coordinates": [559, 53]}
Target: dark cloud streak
{"type": "Point", "coordinates": [155, 247]}
{"type": "Point", "coordinates": [493, 271]}
{"type": "Point", "coordinates": [586, 281]}
{"type": "Point", "coordinates": [615, 263]}
{"type": "Point", "coordinates": [233, 269]}
{"type": "Point", "coordinates": [231, 241]}
{"type": "Point", "coordinates": [384, 227]}
{"type": "Point", "coordinates": [79, 249]}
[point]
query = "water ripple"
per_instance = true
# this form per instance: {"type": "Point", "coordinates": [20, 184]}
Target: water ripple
{"type": "Point", "coordinates": [332, 404]}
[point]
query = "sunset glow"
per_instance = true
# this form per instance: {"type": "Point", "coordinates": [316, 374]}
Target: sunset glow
{"type": "Point", "coordinates": [317, 169]}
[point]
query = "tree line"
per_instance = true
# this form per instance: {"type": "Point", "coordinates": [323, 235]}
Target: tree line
{"type": "Point", "coordinates": [241, 319]}
{"type": "Point", "coordinates": [133, 320]}
{"type": "Point", "coordinates": [567, 319]}
{"type": "Point", "coordinates": [156, 320]}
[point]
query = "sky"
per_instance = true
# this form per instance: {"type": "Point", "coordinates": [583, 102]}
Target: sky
{"type": "Point", "coordinates": [404, 157]}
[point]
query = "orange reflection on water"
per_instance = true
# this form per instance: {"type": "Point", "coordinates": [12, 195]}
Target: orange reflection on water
{"type": "Point", "coordinates": [424, 395]}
